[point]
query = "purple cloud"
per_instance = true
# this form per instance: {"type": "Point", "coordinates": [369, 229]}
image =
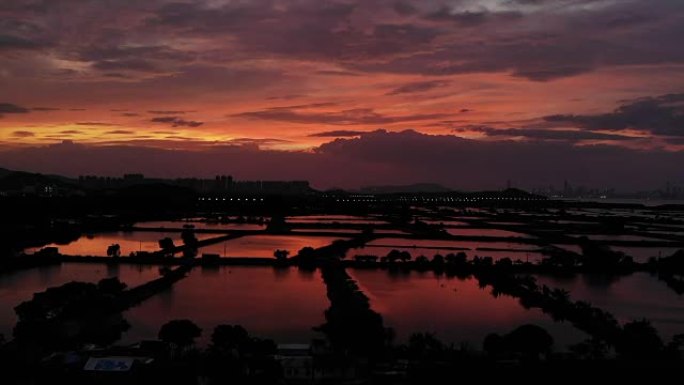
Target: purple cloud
{"type": "Point", "coordinates": [377, 157]}
{"type": "Point", "coordinates": [175, 121]}
{"type": "Point", "coordinates": [415, 87]}
{"type": "Point", "coordinates": [366, 116]}
{"type": "Point", "coordinates": [662, 115]}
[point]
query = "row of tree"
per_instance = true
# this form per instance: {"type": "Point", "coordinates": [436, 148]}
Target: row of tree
{"type": "Point", "coordinates": [633, 340]}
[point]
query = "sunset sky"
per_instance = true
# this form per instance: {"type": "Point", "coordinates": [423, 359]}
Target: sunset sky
{"type": "Point", "coordinates": [467, 93]}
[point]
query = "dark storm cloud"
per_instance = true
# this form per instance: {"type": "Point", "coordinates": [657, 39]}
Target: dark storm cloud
{"type": "Point", "coordinates": [9, 42]}
{"type": "Point", "coordinates": [167, 112]}
{"type": "Point", "coordinates": [470, 18]}
{"type": "Point", "coordinates": [127, 64]}
{"type": "Point", "coordinates": [9, 108]}
{"type": "Point", "coordinates": [175, 121]}
{"type": "Point", "coordinates": [304, 106]}
{"type": "Point", "coordinates": [568, 45]}
{"type": "Point", "coordinates": [418, 87]}
{"type": "Point", "coordinates": [404, 8]}
{"type": "Point", "coordinates": [524, 57]}
{"type": "Point", "coordinates": [45, 109]}
{"type": "Point", "coordinates": [98, 124]}
{"type": "Point", "coordinates": [345, 117]}
{"type": "Point", "coordinates": [676, 140]}
{"type": "Point", "coordinates": [434, 156]}
{"type": "Point", "coordinates": [256, 142]}
{"type": "Point", "coordinates": [336, 134]}
{"type": "Point", "coordinates": [320, 30]}
{"type": "Point", "coordinates": [535, 40]}
{"type": "Point", "coordinates": [22, 134]}
{"type": "Point", "coordinates": [197, 17]}
{"type": "Point", "coordinates": [285, 97]}
{"type": "Point", "coordinates": [661, 115]}
{"type": "Point", "coordinates": [113, 58]}
{"type": "Point", "coordinates": [338, 73]}
{"type": "Point", "coordinates": [545, 134]}
{"type": "Point", "coordinates": [99, 52]}
{"type": "Point", "coordinates": [373, 158]}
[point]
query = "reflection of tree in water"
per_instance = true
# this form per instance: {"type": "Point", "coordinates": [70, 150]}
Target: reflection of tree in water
{"type": "Point", "coordinates": [76, 312]}
{"type": "Point", "coordinates": [209, 270]}
{"type": "Point", "coordinates": [280, 273]}
{"type": "Point", "coordinates": [113, 269]}
{"type": "Point", "coordinates": [600, 281]}
{"type": "Point", "coordinates": [306, 274]}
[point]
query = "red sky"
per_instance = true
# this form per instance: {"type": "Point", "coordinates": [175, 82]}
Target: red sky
{"type": "Point", "coordinates": [302, 88]}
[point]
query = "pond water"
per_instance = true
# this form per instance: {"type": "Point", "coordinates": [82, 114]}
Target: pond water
{"type": "Point", "coordinates": [96, 244]}
{"type": "Point", "coordinates": [522, 255]}
{"type": "Point", "coordinates": [660, 233]}
{"type": "Point", "coordinates": [282, 304]}
{"type": "Point", "coordinates": [633, 297]}
{"type": "Point", "coordinates": [343, 231]}
{"type": "Point", "coordinates": [330, 218]}
{"type": "Point", "coordinates": [264, 245]}
{"type": "Point", "coordinates": [616, 237]}
{"type": "Point", "coordinates": [494, 223]}
{"type": "Point", "coordinates": [487, 233]}
{"type": "Point", "coordinates": [199, 225]}
{"type": "Point", "coordinates": [19, 286]}
{"type": "Point", "coordinates": [572, 248]}
{"type": "Point", "coordinates": [445, 223]}
{"type": "Point", "coordinates": [639, 254]}
{"type": "Point", "coordinates": [365, 221]}
{"type": "Point", "coordinates": [389, 231]}
{"type": "Point", "coordinates": [417, 247]}
{"type": "Point", "coordinates": [408, 242]}
{"type": "Point", "coordinates": [573, 222]}
{"type": "Point", "coordinates": [642, 254]}
{"type": "Point", "coordinates": [454, 310]}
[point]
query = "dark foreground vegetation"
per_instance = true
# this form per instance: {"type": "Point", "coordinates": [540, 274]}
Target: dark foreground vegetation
{"type": "Point", "coordinates": [66, 330]}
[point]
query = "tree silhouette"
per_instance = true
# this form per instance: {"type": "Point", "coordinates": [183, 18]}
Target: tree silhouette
{"type": "Point", "coordinates": [280, 254]}
{"type": "Point", "coordinates": [114, 250]}
{"type": "Point", "coordinates": [528, 341]}
{"type": "Point", "coordinates": [189, 238]}
{"type": "Point", "coordinates": [640, 340]}
{"type": "Point", "coordinates": [425, 345]}
{"type": "Point", "coordinates": [229, 337]}
{"type": "Point", "coordinates": [111, 286]}
{"type": "Point", "coordinates": [166, 244]}
{"type": "Point", "coordinates": [179, 333]}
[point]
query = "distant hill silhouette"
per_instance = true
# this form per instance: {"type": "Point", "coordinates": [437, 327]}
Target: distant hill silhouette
{"type": "Point", "coordinates": [21, 182]}
{"type": "Point", "coordinates": [16, 180]}
{"type": "Point", "coordinates": [411, 188]}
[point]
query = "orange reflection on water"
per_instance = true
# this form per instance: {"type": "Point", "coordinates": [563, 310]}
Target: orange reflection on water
{"type": "Point", "coordinates": [283, 304]}
{"type": "Point", "coordinates": [199, 225]}
{"type": "Point", "coordinates": [487, 233]}
{"type": "Point", "coordinates": [19, 286]}
{"type": "Point", "coordinates": [96, 245]}
{"type": "Point", "coordinates": [264, 245]}
{"type": "Point", "coordinates": [628, 298]}
{"type": "Point", "coordinates": [454, 310]}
